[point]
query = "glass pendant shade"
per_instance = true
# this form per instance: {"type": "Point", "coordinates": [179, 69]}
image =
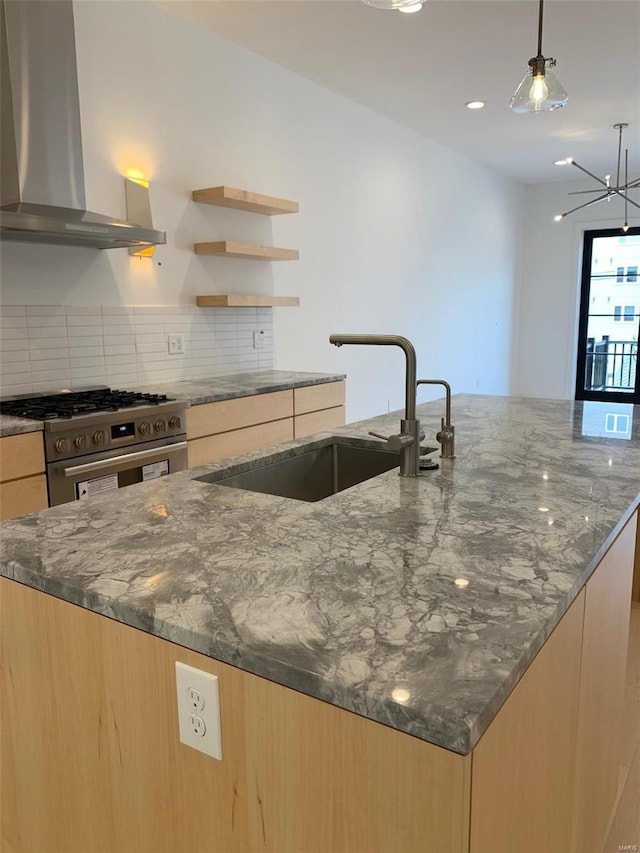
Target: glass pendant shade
{"type": "Point", "coordinates": [390, 4]}
{"type": "Point", "coordinates": [539, 91]}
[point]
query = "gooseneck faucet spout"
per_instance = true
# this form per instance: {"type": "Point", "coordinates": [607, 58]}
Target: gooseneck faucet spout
{"type": "Point", "coordinates": [408, 442]}
{"type": "Point", "coordinates": [446, 436]}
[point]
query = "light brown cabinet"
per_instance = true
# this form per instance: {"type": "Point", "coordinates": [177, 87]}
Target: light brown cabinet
{"type": "Point", "coordinates": [297, 774]}
{"type": "Point", "coordinates": [23, 486]}
{"type": "Point", "coordinates": [231, 427]}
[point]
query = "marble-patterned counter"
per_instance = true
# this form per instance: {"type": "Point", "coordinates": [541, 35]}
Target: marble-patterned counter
{"type": "Point", "coordinates": [354, 599]}
{"type": "Point", "coordinates": [207, 390]}
{"type": "Point", "coordinates": [17, 426]}
{"type": "Point", "coordinates": [240, 385]}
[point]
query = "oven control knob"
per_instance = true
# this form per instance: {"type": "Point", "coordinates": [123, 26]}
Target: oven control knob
{"type": "Point", "coordinates": [160, 425]}
{"type": "Point", "coordinates": [144, 428]}
{"type": "Point", "coordinates": [80, 441]}
{"type": "Point", "coordinates": [174, 423]}
{"type": "Point", "coordinates": [99, 436]}
{"type": "Point", "coordinates": [61, 445]}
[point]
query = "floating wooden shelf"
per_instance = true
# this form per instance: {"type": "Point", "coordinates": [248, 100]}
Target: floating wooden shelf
{"type": "Point", "coordinates": [245, 200]}
{"type": "Point", "coordinates": [245, 300]}
{"type": "Point", "coordinates": [235, 249]}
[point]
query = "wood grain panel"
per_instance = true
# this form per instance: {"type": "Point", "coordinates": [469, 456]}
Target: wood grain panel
{"type": "Point", "coordinates": [318, 421]}
{"type": "Point", "coordinates": [312, 398]}
{"type": "Point", "coordinates": [246, 300]}
{"type": "Point", "coordinates": [215, 447]}
{"type": "Point", "coordinates": [20, 497]}
{"type": "Point", "coordinates": [635, 593]}
{"type": "Point", "coordinates": [245, 200]}
{"type": "Point", "coordinates": [21, 455]}
{"type": "Point", "coordinates": [92, 761]}
{"type": "Point", "coordinates": [225, 415]}
{"type": "Point", "coordinates": [602, 690]}
{"type": "Point", "coordinates": [248, 251]}
{"type": "Point", "coordinates": [523, 766]}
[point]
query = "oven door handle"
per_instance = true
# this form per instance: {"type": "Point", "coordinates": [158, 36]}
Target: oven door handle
{"type": "Point", "coordinates": [126, 458]}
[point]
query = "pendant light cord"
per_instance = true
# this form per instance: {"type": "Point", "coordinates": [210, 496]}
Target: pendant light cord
{"type": "Point", "coordinates": [540, 29]}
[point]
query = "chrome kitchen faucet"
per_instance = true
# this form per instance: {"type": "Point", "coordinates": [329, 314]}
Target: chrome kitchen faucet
{"type": "Point", "coordinates": [407, 442]}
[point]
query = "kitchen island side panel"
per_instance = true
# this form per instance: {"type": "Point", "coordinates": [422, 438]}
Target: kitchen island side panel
{"type": "Point", "coordinates": [92, 760]}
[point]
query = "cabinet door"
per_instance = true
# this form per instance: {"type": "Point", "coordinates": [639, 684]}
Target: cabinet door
{"type": "Point", "coordinates": [522, 777]}
{"type": "Point", "coordinates": [602, 685]}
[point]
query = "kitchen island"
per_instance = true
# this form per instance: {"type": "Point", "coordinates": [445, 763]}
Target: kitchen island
{"type": "Point", "coordinates": [359, 601]}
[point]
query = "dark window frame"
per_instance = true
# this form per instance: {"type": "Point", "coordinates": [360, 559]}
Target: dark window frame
{"type": "Point", "coordinates": [585, 287]}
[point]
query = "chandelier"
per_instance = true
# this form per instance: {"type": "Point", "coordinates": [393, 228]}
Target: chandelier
{"type": "Point", "coordinates": [540, 89]}
{"type": "Point", "coordinates": [606, 191]}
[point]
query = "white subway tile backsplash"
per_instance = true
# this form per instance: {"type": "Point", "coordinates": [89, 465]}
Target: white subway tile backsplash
{"type": "Point", "coordinates": [16, 322]}
{"type": "Point", "coordinates": [84, 320]}
{"type": "Point", "coordinates": [14, 333]}
{"type": "Point", "coordinates": [86, 351]}
{"type": "Point", "coordinates": [119, 340]}
{"type": "Point", "coordinates": [39, 332]}
{"type": "Point", "coordinates": [46, 321]}
{"type": "Point", "coordinates": [40, 310]}
{"type": "Point", "coordinates": [48, 347]}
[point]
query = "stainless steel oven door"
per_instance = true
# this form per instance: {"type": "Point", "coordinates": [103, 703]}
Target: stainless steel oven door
{"type": "Point", "coordinates": [84, 477]}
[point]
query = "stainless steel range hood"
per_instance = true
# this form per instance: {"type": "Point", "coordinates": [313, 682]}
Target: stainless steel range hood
{"type": "Point", "coordinates": [42, 179]}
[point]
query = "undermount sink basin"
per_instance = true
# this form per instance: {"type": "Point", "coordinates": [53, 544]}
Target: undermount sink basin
{"type": "Point", "coordinates": [314, 471]}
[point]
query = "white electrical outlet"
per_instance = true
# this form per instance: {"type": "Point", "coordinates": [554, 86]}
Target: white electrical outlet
{"type": "Point", "coordinates": [175, 344]}
{"type": "Point", "coordinates": [199, 710]}
{"type": "Point", "coordinates": [258, 339]}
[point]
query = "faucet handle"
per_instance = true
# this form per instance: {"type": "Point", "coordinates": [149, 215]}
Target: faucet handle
{"type": "Point", "coordinates": [395, 442]}
{"type": "Point", "coordinates": [378, 435]}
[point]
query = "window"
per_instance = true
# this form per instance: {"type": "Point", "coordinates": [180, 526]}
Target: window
{"type": "Point", "coordinates": [609, 330]}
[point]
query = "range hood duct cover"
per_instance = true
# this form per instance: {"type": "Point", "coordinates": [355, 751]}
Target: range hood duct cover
{"type": "Point", "coordinates": [42, 178]}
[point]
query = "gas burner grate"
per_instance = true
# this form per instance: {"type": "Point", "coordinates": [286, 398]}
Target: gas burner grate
{"type": "Point", "coordinates": [68, 405]}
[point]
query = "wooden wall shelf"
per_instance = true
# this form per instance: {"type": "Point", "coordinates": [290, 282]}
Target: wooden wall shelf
{"type": "Point", "coordinates": [245, 200]}
{"type": "Point", "coordinates": [246, 300]}
{"type": "Point", "coordinates": [250, 251]}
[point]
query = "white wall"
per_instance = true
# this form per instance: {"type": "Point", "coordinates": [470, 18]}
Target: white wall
{"type": "Point", "coordinates": [397, 234]}
{"type": "Point", "coordinates": [546, 337]}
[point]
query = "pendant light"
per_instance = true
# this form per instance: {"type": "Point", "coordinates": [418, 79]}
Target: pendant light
{"type": "Point", "coordinates": [540, 89]}
{"type": "Point", "coordinates": [606, 190]}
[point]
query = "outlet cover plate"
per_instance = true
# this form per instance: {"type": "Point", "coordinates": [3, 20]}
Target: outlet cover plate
{"type": "Point", "coordinates": [199, 710]}
{"type": "Point", "coordinates": [175, 344]}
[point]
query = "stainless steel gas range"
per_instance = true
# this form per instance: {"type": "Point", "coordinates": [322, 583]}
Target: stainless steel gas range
{"type": "Point", "coordinates": [101, 440]}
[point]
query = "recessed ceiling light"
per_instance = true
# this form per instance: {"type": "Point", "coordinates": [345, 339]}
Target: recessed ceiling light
{"type": "Point", "coordinates": [412, 7]}
{"type": "Point", "coordinates": [474, 105]}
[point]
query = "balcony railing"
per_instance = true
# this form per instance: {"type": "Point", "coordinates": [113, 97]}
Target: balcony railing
{"type": "Point", "coordinates": [611, 365]}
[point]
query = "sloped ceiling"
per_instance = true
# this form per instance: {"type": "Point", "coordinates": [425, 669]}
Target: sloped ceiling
{"type": "Point", "coordinates": [421, 69]}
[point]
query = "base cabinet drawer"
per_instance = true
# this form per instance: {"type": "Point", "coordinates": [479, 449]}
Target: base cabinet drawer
{"type": "Point", "coordinates": [212, 448]}
{"type": "Point", "coordinates": [226, 415]}
{"type": "Point", "coordinates": [21, 455]}
{"type": "Point", "coordinates": [19, 497]}
{"type": "Point", "coordinates": [312, 398]}
{"type": "Point", "coordinates": [318, 421]}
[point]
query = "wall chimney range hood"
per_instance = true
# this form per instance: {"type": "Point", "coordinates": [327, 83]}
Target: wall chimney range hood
{"type": "Point", "coordinates": [42, 178]}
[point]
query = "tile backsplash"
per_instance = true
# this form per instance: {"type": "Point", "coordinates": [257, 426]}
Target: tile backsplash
{"type": "Point", "coordinates": [49, 347]}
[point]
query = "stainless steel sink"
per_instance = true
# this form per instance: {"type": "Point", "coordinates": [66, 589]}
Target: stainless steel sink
{"type": "Point", "coordinates": [314, 472]}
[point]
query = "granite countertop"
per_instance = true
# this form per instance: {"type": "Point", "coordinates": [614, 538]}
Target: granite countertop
{"type": "Point", "coordinates": [353, 599]}
{"type": "Point", "coordinates": [242, 384]}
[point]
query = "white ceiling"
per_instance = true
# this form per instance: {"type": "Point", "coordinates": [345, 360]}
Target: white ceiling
{"type": "Point", "coordinates": [421, 69]}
